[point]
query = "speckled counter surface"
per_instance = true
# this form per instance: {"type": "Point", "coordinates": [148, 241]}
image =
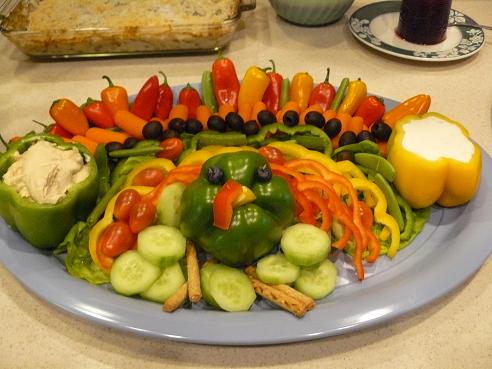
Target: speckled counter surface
{"type": "Point", "coordinates": [452, 332]}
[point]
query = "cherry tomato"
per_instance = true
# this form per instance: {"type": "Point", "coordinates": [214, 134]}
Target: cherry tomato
{"type": "Point", "coordinates": [116, 239]}
{"type": "Point", "coordinates": [149, 177]}
{"type": "Point", "coordinates": [272, 154]}
{"type": "Point", "coordinates": [125, 201]}
{"type": "Point", "coordinates": [171, 148]}
{"type": "Point", "coordinates": [141, 216]}
{"type": "Point", "coordinates": [365, 215]}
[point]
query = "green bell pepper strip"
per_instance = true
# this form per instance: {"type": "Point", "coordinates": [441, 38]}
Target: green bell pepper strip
{"type": "Point", "coordinates": [337, 100]}
{"type": "Point", "coordinates": [207, 89]}
{"type": "Point", "coordinates": [125, 166]}
{"type": "Point", "coordinates": [45, 225]}
{"type": "Point", "coordinates": [136, 151]}
{"type": "Point", "coordinates": [409, 218]}
{"type": "Point", "coordinates": [102, 169]}
{"type": "Point", "coordinates": [256, 227]}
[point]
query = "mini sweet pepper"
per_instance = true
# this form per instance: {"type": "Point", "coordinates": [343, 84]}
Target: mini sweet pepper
{"type": "Point", "coordinates": [45, 225]}
{"type": "Point", "coordinates": [256, 227]}
{"type": "Point", "coordinates": [435, 161]}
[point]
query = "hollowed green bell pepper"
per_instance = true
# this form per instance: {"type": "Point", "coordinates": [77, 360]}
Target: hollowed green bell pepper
{"type": "Point", "coordinates": [45, 225]}
{"type": "Point", "coordinates": [256, 227]}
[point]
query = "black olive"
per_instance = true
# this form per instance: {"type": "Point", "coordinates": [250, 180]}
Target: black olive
{"type": "Point", "coordinates": [291, 118]}
{"type": "Point", "coordinates": [264, 173]}
{"type": "Point", "coordinates": [216, 123]}
{"type": "Point", "coordinates": [315, 118]}
{"type": "Point", "coordinates": [112, 146]}
{"type": "Point", "coordinates": [152, 130]}
{"type": "Point", "coordinates": [347, 138]}
{"type": "Point", "coordinates": [333, 127]}
{"type": "Point", "coordinates": [130, 142]}
{"type": "Point", "coordinates": [381, 131]}
{"type": "Point", "coordinates": [250, 128]}
{"type": "Point", "coordinates": [215, 175]}
{"type": "Point", "coordinates": [234, 121]}
{"type": "Point", "coordinates": [193, 126]}
{"type": "Point", "coordinates": [345, 155]}
{"type": "Point", "coordinates": [365, 135]}
{"type": "Point", "coordinates": [177, 124]}
{"type": "Point", "coordinates": [169, 133]}
{"type": "Point", "coordinates": [266, 117]}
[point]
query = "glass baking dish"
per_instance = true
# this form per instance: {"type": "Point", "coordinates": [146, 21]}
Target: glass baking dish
{"type": "Point", "coordinates": [57, 41]}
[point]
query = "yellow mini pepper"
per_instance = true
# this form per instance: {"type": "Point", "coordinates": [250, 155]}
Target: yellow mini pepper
{"type": "Point", "coordinates": [253, 86]}
{"type": "Point", "coordinates": [300, 89]}
{"type": "Point", "coordinates": [356, 92]}
{"type": "Point", "coordinates": [435, 161]}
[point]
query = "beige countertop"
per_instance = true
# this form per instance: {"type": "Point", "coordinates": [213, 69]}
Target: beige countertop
{"type": "Point", "coordinates": [452, 332]}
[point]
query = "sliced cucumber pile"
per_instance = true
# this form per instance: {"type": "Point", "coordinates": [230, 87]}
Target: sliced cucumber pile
{"type": "Point", "coordinates": [318, 281]}
{"type": "Point", "coordinates": [276, 269]}
{"type": "Point", "coordinates": [168, 205]}
{"type": "Point", "coordinates": [166, 285]}
{"type": "Point", "coordinates": [161, 245]}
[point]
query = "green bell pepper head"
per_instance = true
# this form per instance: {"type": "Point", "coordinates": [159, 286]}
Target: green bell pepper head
{"type": "Point", "coordinates": [45, 225]}
{"type": "Point", "coordinates": [256, 226]}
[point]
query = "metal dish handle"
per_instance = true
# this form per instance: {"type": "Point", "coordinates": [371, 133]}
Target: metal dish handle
{"type": "Point", "coordinates": [245, 5]}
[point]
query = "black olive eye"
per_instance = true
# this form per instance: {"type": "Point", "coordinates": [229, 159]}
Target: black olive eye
{"type": "Point", "coordinates": [215, 175]}
{"type": "Point", "coordinates": [264, 173]}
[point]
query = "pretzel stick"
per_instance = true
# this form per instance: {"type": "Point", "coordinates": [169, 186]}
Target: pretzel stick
{"type": "Point", "coordinates": [194, 289]}
{"type": "Point", "coordinates": [285, 296]}
{"type": "Point", "coordinates": [176, 300]}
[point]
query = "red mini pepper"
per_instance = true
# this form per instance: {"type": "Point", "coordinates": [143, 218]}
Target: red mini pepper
{"type": "Point", "coordinates": [324, 93]}
{"type": "Point", "coordinates": [164, 100]}
{"type": "Point", "coordinates": [146, 100]}
{"type": "Point", "coordinates": [55, 129]}
{"type": "Point", "coordinates": [98, 113]}
{"type": "Point", "coordinates": [115, 97]}
{"type": "Point", "coordinates": [190, 97]}
{"type": "Point", "coordinates": [371, 109]}
{"type": "Point", "coordinates": [271, 98]}
{"type": "Point", "coordinates": [222, 206]}
{"type": "Point", "coordinates": [225, 81]}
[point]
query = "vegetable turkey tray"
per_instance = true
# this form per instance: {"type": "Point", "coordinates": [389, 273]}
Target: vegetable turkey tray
{"type": "Point", "coordinates": [274, 174]}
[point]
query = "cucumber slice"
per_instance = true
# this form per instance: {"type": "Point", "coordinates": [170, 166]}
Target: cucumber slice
{"type": "Point", "coordinates": [166, 285]}
{"type": "Point", "coordinates": [205, 274]}
{"type": "Point", "coordinates": [231, 289]}
{"type": "Point", "coordinates": [161, 245]}
{"type": "Point", "coordinates": [168, 206]}
{"type": "Point", "coordinates": [132, 274]}
{"type": "Point", "coordinates": [276, 269]}
{"type": "Point", "coordinates": [305, 244]}
{"type": "Point", "coordinates": [317, 281]}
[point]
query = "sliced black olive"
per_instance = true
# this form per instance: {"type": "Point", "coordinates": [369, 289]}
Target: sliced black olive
{"type": "Point", "coordinates": [215, 175]}
{"type": "Point", "coordinates": [250, 128]}
{"type": "Point", "coordinates": [169, 133]}
{"type": "Point", "coordinates": [113, 146]}
{"type": "Point", "coordinates": [193, 126]}
{"type": "Point", "coordinates": [234, 121]}
{"type": "Point", "coordinates": [315, 118]}
{"type": "Point", "coordinates": [345, 155]}
{"type": "Point", "coordinates": [216, 123]}
{"type": "Point", "coordinates": [130, 142]}
{"type": "Point", "coordinates": [266, 117]}
{"type": "Point", "coordinates": [365, 135]}
{"type": "Point", "coordinates": [381, 131]}
{"type": "Point", "coordinates": [333, 127]}
{"type": "Point", "coordinates": [177, 124]}
{"type": "Point", "coordinates": [152, 130]}
{"type": "Point", "coordinates": [291, 118]}
{"type": "Point", "coordinates": [264, 173]}
{"type": "Point", "coordinates": [347, 138]}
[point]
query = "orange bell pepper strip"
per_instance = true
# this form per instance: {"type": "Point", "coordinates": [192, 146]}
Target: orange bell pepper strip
{"type": "Point", "coordinates": [222, 205]}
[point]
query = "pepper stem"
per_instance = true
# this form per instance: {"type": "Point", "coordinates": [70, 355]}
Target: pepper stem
{"type": "Point", "coordinates": [274, 70]}
{"type": "Point", "coordinates": [164, 82]}
{"type": "Point", "coordinates": [4, 142]}
{"type": "Point", "coordinates": [327, 78]}
{"type": "Point", "coordinates": [109, 80]}
{"type": "Point", "coordinates": [41, 124]}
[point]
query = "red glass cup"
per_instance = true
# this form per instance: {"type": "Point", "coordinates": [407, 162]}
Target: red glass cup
{"type": "Point", "coordinates": [424, 21]}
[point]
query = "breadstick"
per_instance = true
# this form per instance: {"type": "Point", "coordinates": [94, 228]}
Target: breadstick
{"type": "Point", "coordinates": [176, 300]}
{"type": "Point", "coordinates": [194, 289]}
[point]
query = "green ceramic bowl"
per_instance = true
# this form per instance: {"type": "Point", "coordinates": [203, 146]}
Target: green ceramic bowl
{"type": "Point", "coordinates": [311, 12]}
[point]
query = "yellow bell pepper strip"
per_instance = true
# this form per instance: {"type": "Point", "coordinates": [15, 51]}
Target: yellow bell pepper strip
{"type": "Point", "coordinates": [105, 262]}
{"type": "Point", "coordinates": [380, 214]}
{"type": "Point", "coordinates": [300, 89]}
{"type": "Point", "coordinates": [356, 92]}
{"type": "Point", "coordinates": [415, 105]}
{"type": "Point", "coordinates": [350, 170]}
{"type": "Point", "coordinates": [435, 161]}
{"type": "Point", "coordinates": [205, 153]}
{"type": "Point", "coordinates": [296, 151]}
{"type": "Point", "coordinates": [163, 164]}
{"type": "Point", "coordinates": [253, 86]}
